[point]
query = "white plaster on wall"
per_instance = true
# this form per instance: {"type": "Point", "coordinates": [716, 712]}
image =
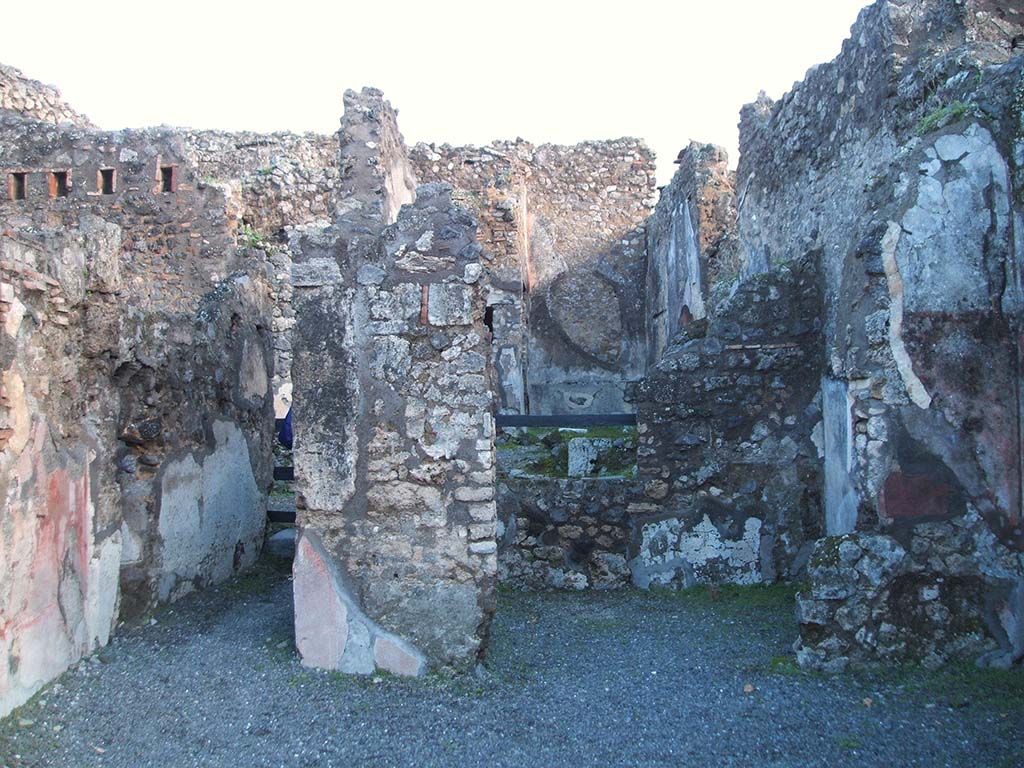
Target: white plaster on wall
{"type": "Point", "coordinates": [667, 546]}
{"type": "Point", "coordinates": [905, 366]}
{"type": "Point", "coordinates": [205, 510]}
{"type": "Point", "coordinates": [840, 497]}
{"type": "Point", "coordinates": [330, 630]}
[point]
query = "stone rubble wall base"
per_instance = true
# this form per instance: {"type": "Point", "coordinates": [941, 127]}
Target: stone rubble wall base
{"type": "Point", "coordinates": [949, 592]}
{"type": "Point", "coordinates": [564, 533]}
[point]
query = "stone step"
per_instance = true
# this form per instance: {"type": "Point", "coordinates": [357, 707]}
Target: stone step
{"type": "Point", "coordinates": [281, 510]}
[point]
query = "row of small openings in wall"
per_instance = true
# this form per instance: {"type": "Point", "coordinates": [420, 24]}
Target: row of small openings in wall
{"type": "Point", "coordinates": [59, 182]}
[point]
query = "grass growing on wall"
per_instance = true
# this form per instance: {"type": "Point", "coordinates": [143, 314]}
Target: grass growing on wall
{"type": "Point", "coordinates": [543, 451]}
{"type": "Point", "coordinates": [939, 117]}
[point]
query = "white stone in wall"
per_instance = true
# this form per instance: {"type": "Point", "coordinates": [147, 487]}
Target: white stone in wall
{"type": "Point", "coordinates": [449, 304]}
{"type": "Point", "coordinates": [668, 546]}
{"type": "Point", "coordinates": [584, 453]}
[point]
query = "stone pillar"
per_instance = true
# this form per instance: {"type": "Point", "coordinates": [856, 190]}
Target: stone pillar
{"type": "Point", "coordinates": [394, 456]}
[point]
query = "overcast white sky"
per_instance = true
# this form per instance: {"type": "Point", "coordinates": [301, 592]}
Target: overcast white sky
{"type": "Point", "coordinates": [461, 72]}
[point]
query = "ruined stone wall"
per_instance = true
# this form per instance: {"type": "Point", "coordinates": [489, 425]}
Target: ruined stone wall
{"type": "Point", "coordinates": [826, 143]}
{"type": "Point", "coordinates": [178, 242]}
{"type": "Point", "coordinates": [692, 244]}
{"type": "Point", "coordinates": [394, 448]}
{"type": "Point", "coordinates": [136, 415]}
{"type": "Point", "coordinates": [494, 185]}
{"type": "Point", "coordinates": [36, 100]}
{"type": "Point", "coordinates": [285, 179]}
{"type": "Point", "coordinates": [197, 421]}
{"type": "Point", "coordinates": [226, 187]}
{"type": "Point", "coordinates": [561, 533]}
{"type": "Point", "coordinates": [729, 472]}
{"type": "Point", "coordinates": [279, 180]}
{"type": "Point", "coordinates": [586, 210]}
{"type": "Point", "coordinates": [580, 244]}
{"type": "Point", "coordinates": [898, 161]}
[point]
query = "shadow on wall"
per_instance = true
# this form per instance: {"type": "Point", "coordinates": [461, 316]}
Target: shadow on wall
{"type": "Point", "coordinates": [562, 231]}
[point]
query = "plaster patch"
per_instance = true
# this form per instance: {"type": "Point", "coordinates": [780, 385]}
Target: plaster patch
{"type": "Point", "coordinates": [19, 420]}
{"type": "Point", "coordinates": [915, 388]}
{"type": "Point", "coordinates": [667, 546]}
{"type": "Point", "coordinates": [253, 373]}
{"type": "Point", "coordinates": [208, 510]}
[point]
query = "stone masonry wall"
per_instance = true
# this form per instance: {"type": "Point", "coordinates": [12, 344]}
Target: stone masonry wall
{"type": "Point", "coordinates": [177, 243]}
{"type": "Point", "coordinates": [281, 180]}
{"type": "Point", "coordinates": [396, 562]}
{"type": "Point", "coordinates": [898, 162]}
{"type": "Point", "coordinates": [691, 244]}
{"type": "Point", "coordinates": [493, 183]}
{"type": "Point", "coordinates": [557, 533]}
{"type": "Point", "coordinates": [285, 179]}
{"type": "Point", "coordinates": [34, 99]}
{"type": "Point", "coordinates": [580, 214]}
{"type": "Point", "coordinates": [227, 185]}
{"type": "Point", "coordinates": [728, 470]}
{"type": "Point", "coordinates": [135, 361]}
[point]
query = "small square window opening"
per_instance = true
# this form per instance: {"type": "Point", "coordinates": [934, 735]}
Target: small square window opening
{"type": "Point", "coordinates": [107, 181]}
{"type": "Point", "coordinates": [168, 180]}
{"type": "Point", "coordinates": [59, 184]}
{"type": "Point", "coordinates": [18, 185]}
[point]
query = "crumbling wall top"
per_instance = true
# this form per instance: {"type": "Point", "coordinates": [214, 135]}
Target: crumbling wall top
{"type": "Point", "coordinates": [35, 99]}
{"type": "Point", "coordinates": [896, 48]}
{"type": "Point", "coordinates": [377, 177]}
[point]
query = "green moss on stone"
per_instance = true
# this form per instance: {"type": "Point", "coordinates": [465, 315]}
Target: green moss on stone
{"type": "Point", "coordinates": [939, 117]}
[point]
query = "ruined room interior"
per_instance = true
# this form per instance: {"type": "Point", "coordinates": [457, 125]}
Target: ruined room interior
{"type": "Point", "coordinates": [522, 368]}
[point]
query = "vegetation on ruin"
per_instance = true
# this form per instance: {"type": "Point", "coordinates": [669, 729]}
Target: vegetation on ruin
{"type": "Point", "coordinates": [942, 115]}
{"type": "Point", "coordinates": [250, 238]}
{"type": "Point", "coordinates": [770, 596]}
{"type": "Point", "coordinates": [543, 451]}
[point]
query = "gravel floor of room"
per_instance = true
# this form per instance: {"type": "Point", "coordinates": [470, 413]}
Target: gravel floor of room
{"type": "Point", "coordinates": [626, 678]}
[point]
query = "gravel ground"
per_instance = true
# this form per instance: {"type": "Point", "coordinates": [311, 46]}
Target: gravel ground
{"type": "Point", "coordinates": [603, 679]}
